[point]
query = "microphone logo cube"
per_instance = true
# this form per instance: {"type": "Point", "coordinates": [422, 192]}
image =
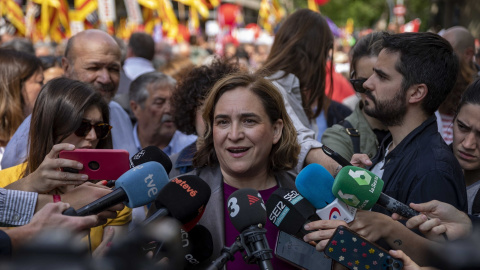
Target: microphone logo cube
{"type": "Point", "coordinates": [361, 177]}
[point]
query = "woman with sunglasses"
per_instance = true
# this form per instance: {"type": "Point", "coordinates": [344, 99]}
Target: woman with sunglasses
{"type": "Point", "coordinates": [68, 115]}
{"type": "Point", "coordinates": [359, 133]}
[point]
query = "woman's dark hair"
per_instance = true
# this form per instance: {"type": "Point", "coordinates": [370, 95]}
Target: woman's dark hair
{"type": "Point", "coordinates": [302, 46]}
{"type": "Point", "coordinates": [15, 68]}
{"type": "Point", "coordinates": [470, 96]}
{"type": "Point", "coordinates": [284, 154]}
{"type": "Point", "coordinates": [192, 90]}
{"type": "Point", "coordinates": [368, 46]}
{"type": "Point", "coordinates": [57, 113]}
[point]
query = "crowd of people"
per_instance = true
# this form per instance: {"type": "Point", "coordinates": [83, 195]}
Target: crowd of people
{"type": "Point", "coordinates": [251, 118]}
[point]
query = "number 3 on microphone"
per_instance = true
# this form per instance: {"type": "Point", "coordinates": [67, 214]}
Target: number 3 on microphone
{"type": "Point", "coordinates": [233, 207]}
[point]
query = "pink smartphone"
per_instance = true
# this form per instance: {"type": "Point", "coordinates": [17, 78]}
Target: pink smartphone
{"type": "Point", "coordinates": [99, 164]}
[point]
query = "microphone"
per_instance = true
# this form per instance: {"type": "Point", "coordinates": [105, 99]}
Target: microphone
{"type": "Point", "coordinates": [149, 153]}
{"type": "Point", "coordinates": [182, 198]}
{"type": "Point", "coordinates": [315, 183]}
{"type": "Point", "coordinates": [136, 187]}
{"type": "Point", "coordinates": [199, 245]}
{"type": "Point", "coordinates": [290, 211]}
{"type": "Point", "coordinates": [196, 245]}
{"type": "Point", "coordinates": [362, 189]}
{"type": "Point", "coordinates": [247, 213]}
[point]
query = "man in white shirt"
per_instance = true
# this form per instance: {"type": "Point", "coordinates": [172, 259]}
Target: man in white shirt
{"type": "Point", "coordinates": [93, 57]}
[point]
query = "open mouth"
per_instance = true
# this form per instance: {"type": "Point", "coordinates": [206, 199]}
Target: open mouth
{"type": "Point", "coordinates": [237, 150]}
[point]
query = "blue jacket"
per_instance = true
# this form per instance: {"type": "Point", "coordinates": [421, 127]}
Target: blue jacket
{"type": "Point", "coordinates": [422, 168]}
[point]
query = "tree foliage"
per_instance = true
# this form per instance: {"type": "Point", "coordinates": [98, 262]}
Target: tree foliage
{"type": "Point", "coordinates": [365, 13]}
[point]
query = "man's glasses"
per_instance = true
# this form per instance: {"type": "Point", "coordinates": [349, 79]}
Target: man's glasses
{"type": "Point", "coordinates": [101, 129]}
{"type": "Point", "coordinates": [358, 85]}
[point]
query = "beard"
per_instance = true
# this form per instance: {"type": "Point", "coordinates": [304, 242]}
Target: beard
{"type": "Point", "coordinates": [107, 91]}
{"type": "Point", "coordinates": [389, 112]}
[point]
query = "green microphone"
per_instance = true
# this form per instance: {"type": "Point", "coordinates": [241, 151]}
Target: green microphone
{"type": "Point", "coordinates": [362, 189]}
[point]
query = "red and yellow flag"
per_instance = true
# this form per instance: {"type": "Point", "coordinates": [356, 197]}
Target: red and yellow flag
{"type": "Point", "coordinates": [14, 13]}
{"type": "Point", "coordinates": [270, 14]}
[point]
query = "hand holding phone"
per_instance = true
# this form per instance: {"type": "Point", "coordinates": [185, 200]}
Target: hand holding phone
{"type": "Point", "coordinates": [99, 164]}
{"type": "Point", "coordinates": [355, 252]}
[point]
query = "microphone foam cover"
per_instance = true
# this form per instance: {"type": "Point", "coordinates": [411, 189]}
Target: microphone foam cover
{"type": "Point", "coordinates": [151, 153]}
{"type": "Point", "coordinates": [357, 187]}
{"type": "Point", "coordinates": [315, 183]}
{"type": "Point", "coordinates": [185, 197]}
{"type": "Point", "coordinates": [198, 244]}
{"type": "Point", "coordinates": [142, 183]}
{"type": "Point", "coordinates": [246, 208]}
{"type": "Point", "coordinates": [289, 211]}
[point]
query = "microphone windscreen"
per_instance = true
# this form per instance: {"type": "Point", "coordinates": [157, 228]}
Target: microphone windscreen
{"type": "Point", "coordinates": [289, 211]}
{"type": "Point", "coordinates": [357, 187]}
{"type": "Point", "coordinates": [185, 197]}
{"type": "Point", "coordinates": [315, 183]}
{"type": "Point", "coordinates": [151, 153]}
{"type": "Point", "coordinates": [246, 208]}
{"type": "Point", "coordinates": [199, 244]}
{"type": "Point", "coordinates": [142, 183]}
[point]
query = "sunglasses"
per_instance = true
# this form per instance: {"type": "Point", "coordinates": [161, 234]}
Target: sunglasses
{"type": "Point", "coordinates": [358, 85]}
{"type": "Point", "coordinates": [101, 129]}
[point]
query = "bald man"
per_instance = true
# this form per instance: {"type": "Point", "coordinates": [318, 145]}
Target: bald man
{"type": "Point", "coordinates": [93, 57]}
{"type": "Point", "coordinates": [463, 44]}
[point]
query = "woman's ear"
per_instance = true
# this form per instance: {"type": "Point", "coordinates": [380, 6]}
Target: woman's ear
{"type": "Point", "coordinates": [277, 130]}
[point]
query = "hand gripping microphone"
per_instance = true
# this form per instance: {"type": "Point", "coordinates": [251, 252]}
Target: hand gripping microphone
{"type": "Point", "coordinates": [138, 186]}
{"type": "Point", "coordinates": [362, 189]}
{"type": "Point", "coordinates": [289, 211]}
{"type": "Point", "coordinates": [149, 153]}
{"type": "Point", "coordinates": [182, 198]}
{"type": "Point", "coordinates": [315, 183]}
{"type": "Point", "coordinates": [247, 213]}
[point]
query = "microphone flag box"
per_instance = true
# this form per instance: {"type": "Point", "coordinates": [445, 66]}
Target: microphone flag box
{"type": "Point", "coordinates": [337, 210]}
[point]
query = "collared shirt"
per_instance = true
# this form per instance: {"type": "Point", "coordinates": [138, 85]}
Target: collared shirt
{"type": "Point", "coordinates": [177, 143]}
{"type": "Point", "coordinates": [17, 147]}
{"type": "Point", "coordinates": [16, 207]}
{"type": "Point", "coordinates": [136, 66]}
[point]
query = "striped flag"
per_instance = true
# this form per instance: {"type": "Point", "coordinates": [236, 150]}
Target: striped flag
{"type": "Point", "coordinates": [14, 13]}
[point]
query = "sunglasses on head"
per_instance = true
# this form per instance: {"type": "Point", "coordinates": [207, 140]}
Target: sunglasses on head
{"type": "Point", "coordinates": [358, 85]}
{"type": "Point", "coordinates": [101, 129]}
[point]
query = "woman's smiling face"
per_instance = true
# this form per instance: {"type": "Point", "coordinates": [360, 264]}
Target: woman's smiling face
{"type": "Point", "coordinates": [243, 134]}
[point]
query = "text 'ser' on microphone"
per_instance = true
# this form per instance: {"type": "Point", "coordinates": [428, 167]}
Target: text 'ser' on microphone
{"type": "Point", "coordinates": [138, 186]}
{"type": "Point", "coordinates": [184, 199]}
{"type": "Point", "coordinates": [248, 215]}
{"type": "Point", "coordinates": [290, 211]}
{"type": "Point", "coordinates": [198, 245]}
{"type": "Point", "coordinates": [362, 189]}
{"type": "Point", "coordinates": [149, 153]}
{"type": "Point", "coordinates": [315, 183]}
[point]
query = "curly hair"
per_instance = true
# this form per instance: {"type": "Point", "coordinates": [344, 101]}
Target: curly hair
{"type": "Point", "coordinates": [193, 89]}
{"type": "Point", "coordinates": [284, 154]}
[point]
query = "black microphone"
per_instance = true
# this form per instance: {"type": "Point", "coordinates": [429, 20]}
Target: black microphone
{"type": "Point", "coordinates": [182, 198]}
{"type": "Point", "coordinates": [149, 153]}
{"type": "Point", "coordinates": [247, 213]}
{"type": "Point", "coordinates": [138, 186]}
{"type": "Point", "coordinates": [290, 211]}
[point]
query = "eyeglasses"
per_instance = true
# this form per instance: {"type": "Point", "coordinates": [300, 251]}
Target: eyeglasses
{"type": "Point", "coordinates": [358, 85]}
{"type": "Point", "coordinates": [101, 129]}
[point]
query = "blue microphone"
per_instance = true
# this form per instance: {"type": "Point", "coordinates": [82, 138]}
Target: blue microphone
{"type": "Point", "coordinates": [315, 183]}
{"type": "Point", "coordinates": [136, 187]}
